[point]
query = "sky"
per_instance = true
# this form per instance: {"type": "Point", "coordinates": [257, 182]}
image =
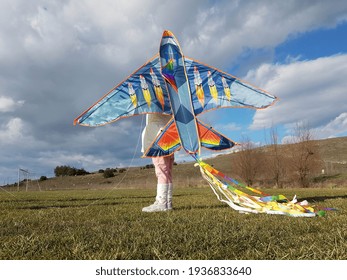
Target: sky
{"type": "Point", "coordinates": [58, 57]}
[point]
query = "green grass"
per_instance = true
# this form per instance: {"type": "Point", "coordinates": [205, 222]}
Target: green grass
{"type": "Point", "coordinates": [109, 224]}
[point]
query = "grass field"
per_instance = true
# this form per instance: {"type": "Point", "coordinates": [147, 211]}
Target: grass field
{"type": "Point", "coordinates": [109, 224]}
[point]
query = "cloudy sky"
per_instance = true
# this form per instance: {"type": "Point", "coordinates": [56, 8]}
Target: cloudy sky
{"type": "Point", "coordinates": [58, 57]}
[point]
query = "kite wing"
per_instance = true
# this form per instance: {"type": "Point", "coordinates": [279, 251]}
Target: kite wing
{"type": "Point", "coordinates": [168, 141]}
{"type": "Point", "coordinates": [144, 91]}
{"type": "Point", "coordinates": [212, 88]}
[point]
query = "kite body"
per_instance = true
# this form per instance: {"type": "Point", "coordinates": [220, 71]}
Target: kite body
{"type": "Point", "coordinates": [172, 84]}
{"type": "Point", "coordinates": [174, 72]}
{"type": "Point", "coordinates": [183, 88]}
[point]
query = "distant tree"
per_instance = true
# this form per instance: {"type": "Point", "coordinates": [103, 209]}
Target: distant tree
{"type": "Point", "coordinates": [65, 170]}
{"type": "Point", "coordinates": [108, 173]}
{"type": "Point", "coordinates": [72, 171]}
{"type": "Point", "coordinates": [305, 157]}
{"type": "Point", "coordinates": [81, 172]}
{"type": "Point", "coordinates": [43, 178]}
{"type": "Point", "coordinates": [62, 170]}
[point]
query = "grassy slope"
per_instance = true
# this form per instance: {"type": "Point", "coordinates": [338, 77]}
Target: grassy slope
{"type": "Point", "coordinates": [333, 152]}
{"type": "Point", "coordinates": [106, 222]}
{"type": "Point", "coordinates": [109, 224]}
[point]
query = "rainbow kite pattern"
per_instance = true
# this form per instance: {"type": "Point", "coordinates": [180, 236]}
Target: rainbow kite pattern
{"type": "Point", "coordinates": [168, 141]}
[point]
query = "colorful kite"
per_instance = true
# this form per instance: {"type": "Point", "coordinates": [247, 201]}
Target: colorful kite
{"type": "Point", "coordinates": [172, 84]}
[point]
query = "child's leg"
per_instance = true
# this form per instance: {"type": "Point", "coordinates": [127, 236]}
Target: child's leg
{"type": "Point", "coordinates": [164, 174]}
{"type": "Point", "coordinates": [163, 169]}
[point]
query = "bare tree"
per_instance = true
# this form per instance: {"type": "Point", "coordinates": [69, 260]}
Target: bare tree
{"type": "Point", "coordinates": [248, 162]}
{"type": "Point", "coordinates": [305, 158]}
{"type": "Point", "coordinates": [276, 162]}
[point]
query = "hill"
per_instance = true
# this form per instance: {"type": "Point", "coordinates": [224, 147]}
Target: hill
{"type": "Point", "coordinates": [333, 153]}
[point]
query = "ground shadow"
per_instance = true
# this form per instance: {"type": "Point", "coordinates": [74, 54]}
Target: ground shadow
{"type": "Point", "coordinates": [84, 205]}
{"type": "Point", "coordinates": [182, 208]}
{"type": "Point", "coordinates": [322, 198]}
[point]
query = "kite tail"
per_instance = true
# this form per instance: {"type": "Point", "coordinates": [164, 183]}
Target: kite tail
{"type": "Point", "coordinates": [245, 199]}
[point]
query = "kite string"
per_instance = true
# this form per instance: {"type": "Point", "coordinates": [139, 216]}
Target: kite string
{"type": "Point", "coordinates": [6, 191]}
{"type": "Point", "coordinates": [127, 170]}
{"type": "Point", "coordinates": [133, 157]}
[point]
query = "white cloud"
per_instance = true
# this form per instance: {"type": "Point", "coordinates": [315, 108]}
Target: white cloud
{"type": "Point", "coordinates": [289, 139]}
{"type": "Point", "coordinates": [12, 131]}
{"type": "Point", "coordinates": [117, 30]}
{"type": "Point", "coordinates": [334, 128]}
{"type": "Point", "coordinates": [256, 24]}
{"type": "Point", "coordinates": [16, 137]}
{"type": "Point", "coordinates": [228, 127]}
{"type": "Point", "coordinates": [78, 160]}
{"type": "Point", "coordinates": [7, 104]}
{"type": "Point", "coordinates": [61, 56]}
{"type": "Point", "coordinates": [311, 91]}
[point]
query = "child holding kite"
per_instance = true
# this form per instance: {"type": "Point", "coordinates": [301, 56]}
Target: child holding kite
{"type": "Point", "coordinates": [185, 88]}
{"type": "Point", "coordinates": [163, 165]}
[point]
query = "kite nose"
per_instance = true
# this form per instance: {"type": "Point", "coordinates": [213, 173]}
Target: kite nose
{"type": "Point", "coordinates": [167, 33]}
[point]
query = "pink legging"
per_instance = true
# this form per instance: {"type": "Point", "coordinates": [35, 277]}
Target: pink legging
{"type": "Point", "coordinates": [163, 168]}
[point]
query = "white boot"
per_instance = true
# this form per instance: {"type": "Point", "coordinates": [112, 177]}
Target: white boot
{"type": "Point", "coordinates": [169, 196]}
{"type": "Point", "coordinates": [160, 203]}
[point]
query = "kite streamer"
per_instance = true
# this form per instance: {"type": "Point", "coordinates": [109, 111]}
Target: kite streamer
{"type": "Point", "coordinates": [245, 199]}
